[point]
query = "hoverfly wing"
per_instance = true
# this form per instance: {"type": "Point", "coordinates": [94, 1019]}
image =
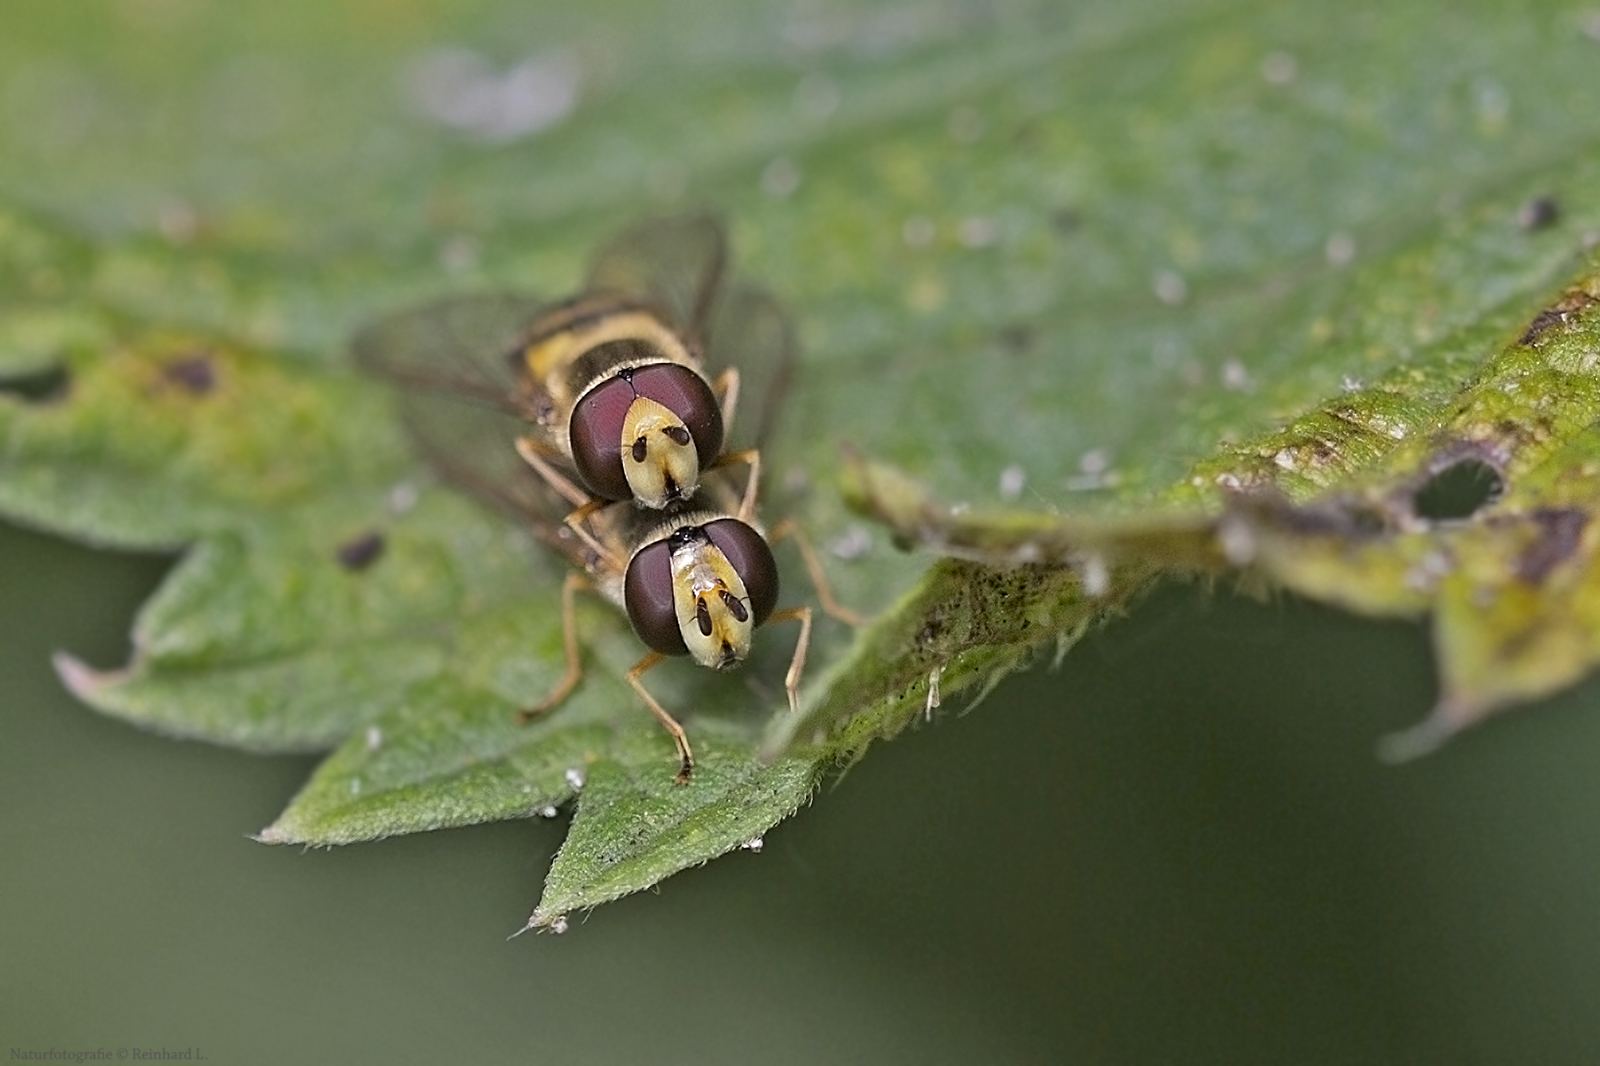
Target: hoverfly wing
{"type": "Point", "coordinates": [450, 363]}
{"type": "Point", "coordinates": [461, 345]}
{"type": "Point", "coordinates": [674, 265]}
{"type": "Point", "coordinates": [750, 331]}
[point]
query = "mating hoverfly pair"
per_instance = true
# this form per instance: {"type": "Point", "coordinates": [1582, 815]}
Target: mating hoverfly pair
{"type": "Point", "coordinates": [596, 421]}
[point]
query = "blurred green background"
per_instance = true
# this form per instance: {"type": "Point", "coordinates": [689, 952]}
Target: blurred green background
{"type": "Point", "coordinates": [1178, 847]}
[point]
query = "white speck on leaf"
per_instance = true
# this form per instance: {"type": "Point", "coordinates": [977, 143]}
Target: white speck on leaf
{"type": "Point", "coordinates": [1339, 249]}
{"type": "Point", "coordinates": [1169, 287]}
{"type": "Point", "coordinates": [1238, 541]}
{"type": "Point", "coordinates": [816, 97]}
{"type": "Point", "coordinates": [1012, 480]}
{"type": "Point", "coordinates": [1095, 574]}
{"type": "Point", "coordinates": [1279, 68]}
{"type": "Point", "coordinates": [459, 254]}
{"type": "Point", "coordinates": [461, 89]}
{"type": "Point", "coordinates": [853, 543]}
{"type": "Point", "coordinates": [978, 232]}
{"type": "Point", "coordinates": [402, 498]}
{"type": "Point", "coordinates": [780, 179]}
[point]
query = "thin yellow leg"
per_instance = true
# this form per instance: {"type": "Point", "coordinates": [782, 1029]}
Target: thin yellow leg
{"type": "Point", "coordinates": [669, 723]}
{"type": "Point", "coordinates": [570, 588]}
{"type": "Point", "coordinates": [797, 665]}
{"type": "Point", "coordinates": [752, 456]}
{"type": "Point", "coordinates": [534, 453]}
{"type": "Point", "coordinates": [727, 384]}
{"type": "Point", "coordinates": [576, 522]}
{"type": "Point", "coordinates": [819, 579]}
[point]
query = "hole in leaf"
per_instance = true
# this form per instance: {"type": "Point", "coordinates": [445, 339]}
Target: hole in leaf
{"type": "Point", "coordinates": [1458, 491]}
{"type": "Point", "coordinates": [43, 386]}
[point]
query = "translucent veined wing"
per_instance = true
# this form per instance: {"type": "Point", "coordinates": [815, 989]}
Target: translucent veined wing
{"type": "Point", "coordinates": [674, 265]}
{"type": "Point", "coordinates": [463, 345]}
{"type": "Point", "coordinates": [751, 332]}
{"type": "Point", "coordinates": [451, 364]}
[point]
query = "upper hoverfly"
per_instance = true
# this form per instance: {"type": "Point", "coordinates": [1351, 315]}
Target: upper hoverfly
{"type": "Point", "coordinates": [595, 421]}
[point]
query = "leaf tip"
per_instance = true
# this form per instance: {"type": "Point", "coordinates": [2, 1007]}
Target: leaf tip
{"type": "Point", "coordinates": [81, 679]}
{"type": "Point", "coordinates": [279, 833]}
{"type": "Point", "coordinates": [542, 922]}
{"type": "Point", "coordinates": [1447, 718]}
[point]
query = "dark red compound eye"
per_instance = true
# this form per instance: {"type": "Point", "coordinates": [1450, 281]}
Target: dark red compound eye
{"type": "Point", "coordinates": [750, 556]}
{"type": "Point", "coordinates": [598, 417]}
{"type": "Point", "coordinates": [647, 595]}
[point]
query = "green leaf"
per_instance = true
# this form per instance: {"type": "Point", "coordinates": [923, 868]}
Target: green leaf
{"type": "Point", "coordinates": [1148, 288]}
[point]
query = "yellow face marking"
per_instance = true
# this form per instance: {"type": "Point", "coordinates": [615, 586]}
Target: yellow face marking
{"type": "Point", "coordinates": [659, 457]}
{"type": "Point", "coordinates": [712, 606]}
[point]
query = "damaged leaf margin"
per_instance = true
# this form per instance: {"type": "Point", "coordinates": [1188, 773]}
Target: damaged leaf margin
{"type": "Point", "coordinates": [1473, 506]}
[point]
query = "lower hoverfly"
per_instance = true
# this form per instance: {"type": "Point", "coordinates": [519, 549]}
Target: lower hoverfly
{"type": "Point", "coordinates": [694, 578]}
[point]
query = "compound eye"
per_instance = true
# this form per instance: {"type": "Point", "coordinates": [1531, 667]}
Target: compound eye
{"type": "Point", "coordinates": [751, 558]}
{"type": "Point", "coordinates": [596, 434]}
{"type": "Point", "coordinates": [609, 419]}
{"type": "Point", "coordinates": [647, 595]}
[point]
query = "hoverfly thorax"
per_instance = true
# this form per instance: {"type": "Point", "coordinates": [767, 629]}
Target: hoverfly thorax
{"type": "Point", "coordinates": [702, 589]}
{"type": "Point", "coordinates": [642, 422]}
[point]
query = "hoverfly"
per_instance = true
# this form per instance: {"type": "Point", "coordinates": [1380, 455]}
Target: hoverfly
{"type": "Point", "coordinates": [593, 420]}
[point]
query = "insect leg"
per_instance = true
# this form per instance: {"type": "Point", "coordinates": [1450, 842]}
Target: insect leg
{"type": "Point", "coordinates": [533, 453]}
{"type": "Point", "coordinates": [819, 579]}
{"type": "Point", "coordinates": [669, 723]}
{"type": "Point", "coordinates": [726, 390]}
{"type": "Point", "coordinates": [752, 457]}
{"type": "Point", "coordinates": [570, 588]}
{"type": "Point", "coordinates": [791, 680]}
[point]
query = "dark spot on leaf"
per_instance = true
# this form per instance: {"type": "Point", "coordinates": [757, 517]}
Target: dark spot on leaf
{"type": "Point", "coordinates": [1560, 530]}
{"type": "Point", "coordinates": [1066, 220]}
{"type": "Point", "coordinates": [1541, 212]}
{"type": "Point", "coordinates": [1457, 491]}
{"type": "Point", "coordinates": [1367, 521]}
{"type": "Point", "coordinates": [1348, 517]}
{"type": "Point", "coordinates": [1572, 302]}
{"type": "Point", "coordinates": [1017, 339]}
{"type": "Point", "coordinates": [50, 385]}
{"type": "Point", "coordinates": [1541, 322]}
{"type": "Point", "coordinates": [194, 374]}
{"type": "Point", "coordinates": [361, 552]}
